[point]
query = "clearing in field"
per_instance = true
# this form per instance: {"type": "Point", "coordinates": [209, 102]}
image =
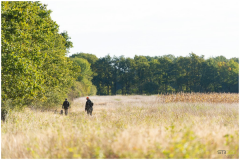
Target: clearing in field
{"type": "Point", "coordinates": [170, 126]}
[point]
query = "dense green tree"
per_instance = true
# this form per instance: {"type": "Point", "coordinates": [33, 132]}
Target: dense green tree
{"type": "Point", "coordinates": [233, 69]}
{"type": "Point", "coordinates": [165, 65]}
{"type": "Point", "coordinates": [228, 76]}
{"type": "Point", "coordinates": [130, 75]}
{"type": "Point", "coordinates": [115, 75]}
{"type": "Point", "coordinates": [83, 85]}
{"type": "Point", "coordinates": [235, 59]}
{"type": "Point", "coordinates": [220, 59]}
{"type": "Point", "coordinates": [165, 74]}
{"type": "Point", "coordinates": [34, 63]}
{"type": "Point", "coordinates": [103, 80]}
{"type": "Point", "coordinates": [142, 69]}
{"type": "Point", "coordinates": [92, 59]}
{"type": "Point", "coordinates": [195, 72]}
{"type": "Point", "coordinates": [85, 66]}
{"type": "Point", "coordinates": [68, 43]}
{"type": "Point", "coordinates": [209, 75]}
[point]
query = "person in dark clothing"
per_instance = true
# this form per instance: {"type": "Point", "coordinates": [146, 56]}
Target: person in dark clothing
{"type": "Point", "coordinates": [89, 106]}
{"type": "Point", "coordinates": [65, 106]}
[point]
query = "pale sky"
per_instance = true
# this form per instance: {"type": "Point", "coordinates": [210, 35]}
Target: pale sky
{"type": "Point", "coordinates": [150, 27]}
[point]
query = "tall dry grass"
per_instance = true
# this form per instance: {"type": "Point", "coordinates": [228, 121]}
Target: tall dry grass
{"type": "Point", "coordinates": [201, 97]}
{"type": "Point", "coordinates": [125, 127]}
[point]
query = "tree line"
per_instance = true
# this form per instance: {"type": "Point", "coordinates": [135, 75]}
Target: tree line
{"type": "Point", "coordinates": [163, 74]}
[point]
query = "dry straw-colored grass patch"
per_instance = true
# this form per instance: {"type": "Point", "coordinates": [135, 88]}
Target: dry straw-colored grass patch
{"type": "Point", "coordinates": [125, 127]}
{"type": "Point", "coordinates": [201, 97]}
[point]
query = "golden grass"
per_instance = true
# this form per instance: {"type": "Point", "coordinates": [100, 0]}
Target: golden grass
{"type": "Point", "coordinates": [201, 97]}
{"type": "Point", "coordinates": [125, 127]}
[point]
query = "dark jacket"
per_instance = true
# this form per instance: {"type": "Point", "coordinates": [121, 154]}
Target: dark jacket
{"type": "Point", "coordinates": [89, 104]}
{"type": "Point", "coordinates": [65, 105]}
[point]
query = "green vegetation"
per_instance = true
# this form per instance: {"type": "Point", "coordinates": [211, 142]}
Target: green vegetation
{"type": "Point", "coordinates": [164, 74]}
{"type": "Point", "coordinates": [35, 70]}
{"type": "Point", "coordinates": [83, 86]}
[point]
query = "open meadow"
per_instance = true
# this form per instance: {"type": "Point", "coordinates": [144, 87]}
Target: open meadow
{"type": "Point", "coordinates": [157, 126]}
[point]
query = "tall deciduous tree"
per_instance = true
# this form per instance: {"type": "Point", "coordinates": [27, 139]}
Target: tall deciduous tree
{"type": "Point", "coordinates": [34, 62]}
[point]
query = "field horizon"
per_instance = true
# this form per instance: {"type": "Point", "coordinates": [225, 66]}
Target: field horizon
{"type": "Point", "coordinates": [132, 126]}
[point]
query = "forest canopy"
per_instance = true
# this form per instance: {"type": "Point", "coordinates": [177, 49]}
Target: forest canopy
{"type": "Point", "coordinates": [164, 74]}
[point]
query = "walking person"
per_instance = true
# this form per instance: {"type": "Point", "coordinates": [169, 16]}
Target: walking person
{"type": "Point", "coordinates": [89, 106]}
{"type": "Point", "coordinates": [65, 106]}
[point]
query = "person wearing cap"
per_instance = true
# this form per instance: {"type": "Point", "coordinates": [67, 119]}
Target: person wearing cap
{"type": "Point", "coordinates": [89, 106]}
{"type": "Point", "coordinates": [65, 106]}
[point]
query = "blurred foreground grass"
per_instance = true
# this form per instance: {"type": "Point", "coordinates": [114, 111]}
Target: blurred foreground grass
{"type": "Point", "coordinates": [125, 127]}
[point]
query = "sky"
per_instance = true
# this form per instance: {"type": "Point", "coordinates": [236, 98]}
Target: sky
{"type": "Point", "coordinates": [150, 27]}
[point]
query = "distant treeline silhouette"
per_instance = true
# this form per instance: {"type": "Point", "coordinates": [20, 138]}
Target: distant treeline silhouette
{"type": "Point", "coordinates": [163, 74]}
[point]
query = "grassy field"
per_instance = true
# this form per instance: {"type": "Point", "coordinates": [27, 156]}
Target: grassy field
{"type": "Point", "coordinates": [158, 126]}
